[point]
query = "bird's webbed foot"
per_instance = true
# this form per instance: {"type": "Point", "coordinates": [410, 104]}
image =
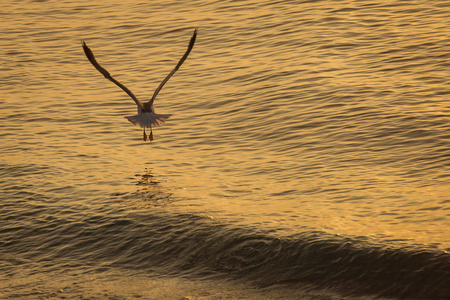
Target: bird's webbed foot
{"type": "Point", "coordinates": [150, 137]}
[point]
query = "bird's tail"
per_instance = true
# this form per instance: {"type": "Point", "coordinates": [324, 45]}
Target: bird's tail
{"type": "Point", "coordinates": [147, 120]}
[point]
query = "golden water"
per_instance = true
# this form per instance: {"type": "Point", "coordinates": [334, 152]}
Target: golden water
{"type": "Point", "coordinates": [287, 117]}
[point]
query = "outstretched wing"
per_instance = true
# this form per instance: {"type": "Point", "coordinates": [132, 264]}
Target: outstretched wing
{"type": "Point", "coordinates": [105, 73]}
{"type": "Point", "coordinates": [191, 45]}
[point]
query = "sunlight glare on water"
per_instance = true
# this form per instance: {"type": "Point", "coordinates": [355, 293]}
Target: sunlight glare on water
{"type": "Point", "coordinates": [286, 117]}
{"type": "Point", "coordinates": [309, 114]}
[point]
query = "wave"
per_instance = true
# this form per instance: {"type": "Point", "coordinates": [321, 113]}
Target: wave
{"type": "Point", "coordinates": [198, 247]}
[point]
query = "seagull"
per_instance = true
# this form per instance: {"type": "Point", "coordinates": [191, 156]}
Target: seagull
{"type": "Point", "coordinates": [146, 116]}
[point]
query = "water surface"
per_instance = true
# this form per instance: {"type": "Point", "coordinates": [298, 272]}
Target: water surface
{"type": "Point", "coordinates": [308, 152]}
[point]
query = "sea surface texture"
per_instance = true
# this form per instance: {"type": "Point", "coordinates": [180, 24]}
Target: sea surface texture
{"type": "Point", "coordinates": [307, 155]}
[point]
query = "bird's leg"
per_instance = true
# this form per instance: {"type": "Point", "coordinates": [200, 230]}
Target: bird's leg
{"type": "Point", "coordinates": [145, 135]}
{"type": "Point", "coordinates": [151, 134]}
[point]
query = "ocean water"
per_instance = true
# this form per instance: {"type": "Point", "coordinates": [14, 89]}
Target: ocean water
{"type": "Point", "coordinates": [307, 156]}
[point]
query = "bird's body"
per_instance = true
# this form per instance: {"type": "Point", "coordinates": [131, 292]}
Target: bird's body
{"type": "Point", "coordinates": [146, 117]}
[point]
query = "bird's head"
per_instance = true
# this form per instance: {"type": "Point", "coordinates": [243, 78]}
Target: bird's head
{"type": "Point", "coordinates": [147, 107]}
